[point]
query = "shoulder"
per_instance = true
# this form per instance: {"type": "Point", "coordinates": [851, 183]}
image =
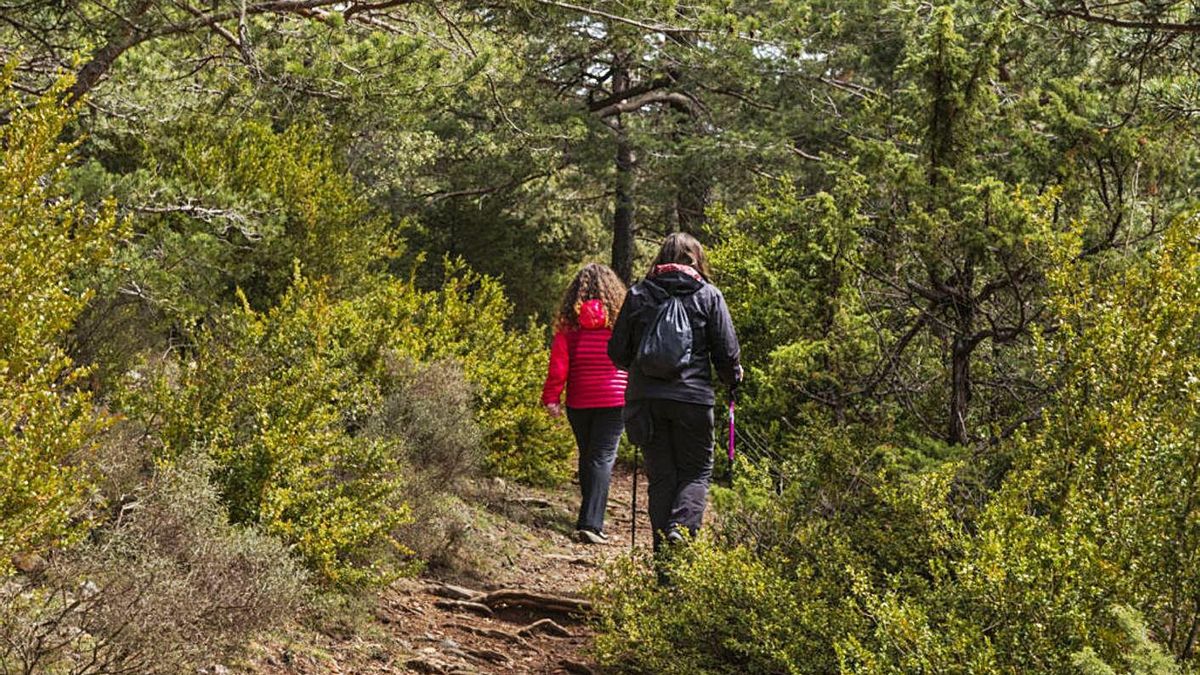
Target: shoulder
{"type": "Point", "coordinates": [641, 287]}
{"type": "Point", "coordinates": [640, 292]}
{"type": "Point", "coordinates": [709, 294]}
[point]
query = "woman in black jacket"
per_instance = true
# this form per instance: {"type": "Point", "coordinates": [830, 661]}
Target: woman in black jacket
{"type": "Point", "coordinates": [672, 419]}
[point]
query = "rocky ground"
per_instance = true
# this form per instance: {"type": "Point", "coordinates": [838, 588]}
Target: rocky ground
{"type": "Point", "coordinates": [521, 610]}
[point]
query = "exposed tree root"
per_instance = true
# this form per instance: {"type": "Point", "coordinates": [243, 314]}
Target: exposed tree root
{"type": "Point", "coordinates": [489, 655]}
{"type": "Point", "coordinates": [507, 597]}
{"type": "Point", "coordinates": [476, 607]}
{"type": "Point", "coordinates": [495, 633]}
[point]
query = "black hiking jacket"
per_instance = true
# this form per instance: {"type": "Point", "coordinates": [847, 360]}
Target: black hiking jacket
{"type": "Point", "coordinates": [714, 344]}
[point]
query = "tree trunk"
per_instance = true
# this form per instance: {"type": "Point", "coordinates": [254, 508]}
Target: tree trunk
{"type": "Point", "coordinates": [692, 184]}
{"type": "Point", "coordinates": [126, 35]}
{"type": "Point", "coordinates": [691, 200]}
{"type": "Point", "coordinates": [622, 245]}
{"type": "Point", "coordinates": [960, 389]}
{"type": "Point", "coordinates": [963, 304]}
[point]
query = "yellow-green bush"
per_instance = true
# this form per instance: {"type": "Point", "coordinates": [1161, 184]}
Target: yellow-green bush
{"type": "Point", "coordinates": [291, 405]}
{"type": "Point", "coordinates": [47, 424]}
{"type": "Point", "coordinates": [867, 557]}
{"type": "Point", "coordinates": [276, 399]}
{"type": "Point", "coordinates": [465, 320]}
{"type": "Point", "coordinates": [726, 610]}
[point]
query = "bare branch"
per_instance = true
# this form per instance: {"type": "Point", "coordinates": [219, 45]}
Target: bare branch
{"type": "Point", "coordinates": [649, 98]}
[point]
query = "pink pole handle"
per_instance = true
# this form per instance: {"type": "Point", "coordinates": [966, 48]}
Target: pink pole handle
{"type": "Point", "coordinates": [731, 452]}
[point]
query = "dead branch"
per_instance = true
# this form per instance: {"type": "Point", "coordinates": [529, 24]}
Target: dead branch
{"type": "Point", "coordinates": [453, 592]}
{"type": "Point", "coordinates": [546, 626]}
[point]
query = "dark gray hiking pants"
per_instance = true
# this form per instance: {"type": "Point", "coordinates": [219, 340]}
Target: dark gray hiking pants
{"type": "Point", "coordinates": [597, 433]}
{"type": "Point", "coordinates": [679, 462]}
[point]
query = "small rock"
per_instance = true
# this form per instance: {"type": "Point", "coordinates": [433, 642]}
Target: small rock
{"type": "Point", "coordinates": [29, 563]}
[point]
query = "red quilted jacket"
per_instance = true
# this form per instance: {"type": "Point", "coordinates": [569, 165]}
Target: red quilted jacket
{"type": "Point", "coordinates": [579, 360]}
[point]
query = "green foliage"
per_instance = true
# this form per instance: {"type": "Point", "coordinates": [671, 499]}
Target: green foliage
{"type": "Point", "coordinates": [465, 319]}
{"type": "Point", "coordinates": [1104, 497]}
{"type": "Point", "coordinates": [296, 406]}
{"type": "Point", "coordinates": [1144, 656]}
{"type": "Point", "coordinates": [232, 207]}
{"type": "Point", "coordinates": [47, 423]}
{"type": "Point", "coordinates": [726, 611]}
{"type": "Point", "coordinates": [275, 400]}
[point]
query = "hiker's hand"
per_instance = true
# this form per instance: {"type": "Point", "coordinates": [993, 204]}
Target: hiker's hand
{"type": "Point", "coordinates": [554, 409]}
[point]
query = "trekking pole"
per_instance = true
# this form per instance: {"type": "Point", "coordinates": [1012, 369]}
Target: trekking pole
{"type": "Point", "coordinates": [633, 516]}
{"type": "Point", "coordinates": [732, 400]}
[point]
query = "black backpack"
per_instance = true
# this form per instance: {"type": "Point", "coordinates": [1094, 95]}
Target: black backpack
{"type": "Point", "coordinates": [666, 347]}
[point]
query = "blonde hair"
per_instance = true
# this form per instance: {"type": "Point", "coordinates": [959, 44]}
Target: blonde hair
{"type": "Point", "coordinates": [593, 282]}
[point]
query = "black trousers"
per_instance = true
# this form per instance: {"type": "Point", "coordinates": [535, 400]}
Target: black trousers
{"type": "Point", "coordinates": [679, 463]}
{"type": "Point", "coordinates": [597, 433]}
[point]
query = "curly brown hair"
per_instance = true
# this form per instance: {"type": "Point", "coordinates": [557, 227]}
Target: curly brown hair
{"type": "Point", "coordinates": [594, 282]}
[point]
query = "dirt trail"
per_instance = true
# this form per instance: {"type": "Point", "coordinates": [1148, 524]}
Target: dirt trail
{"type": "Point", "coordinates": [426, 624]}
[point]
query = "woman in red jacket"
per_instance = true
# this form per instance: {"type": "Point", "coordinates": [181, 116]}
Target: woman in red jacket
{"type": "Point", "coordinates": [595, 387]}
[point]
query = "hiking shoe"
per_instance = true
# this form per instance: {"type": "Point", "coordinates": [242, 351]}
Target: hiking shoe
{"type": "Point", "coordinates": [591, 537]}
{"type": "Point", "coordinates": [674, 537]}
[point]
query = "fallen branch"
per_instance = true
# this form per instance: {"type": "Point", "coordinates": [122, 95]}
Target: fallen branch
{"type": "Point", "coordinates": [545, 626]}
{"type": "Point", "coordinates": [453, 592]}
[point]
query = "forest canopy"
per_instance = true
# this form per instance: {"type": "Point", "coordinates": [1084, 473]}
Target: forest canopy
{"type": "Point", "coordinates": [293, 264]}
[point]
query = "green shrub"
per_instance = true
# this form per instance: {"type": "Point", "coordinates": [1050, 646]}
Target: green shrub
{"type": "Point", "coordinates": [465, 320]}
{"type": "Point", "coordinates": [47, 424]}
{"type": "Point", "coordinates": [216, 207]}
{"type": "Point", "coordinates": [725, 611]}
{"type": "Point", "coordinates": [1143, 655]}
{"type": "Point", "coordinates": [315, 411]}
{"type": "Point", "coordinates": [915, 559]}
{"type": "Point", "coordinates": [277, 400]}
